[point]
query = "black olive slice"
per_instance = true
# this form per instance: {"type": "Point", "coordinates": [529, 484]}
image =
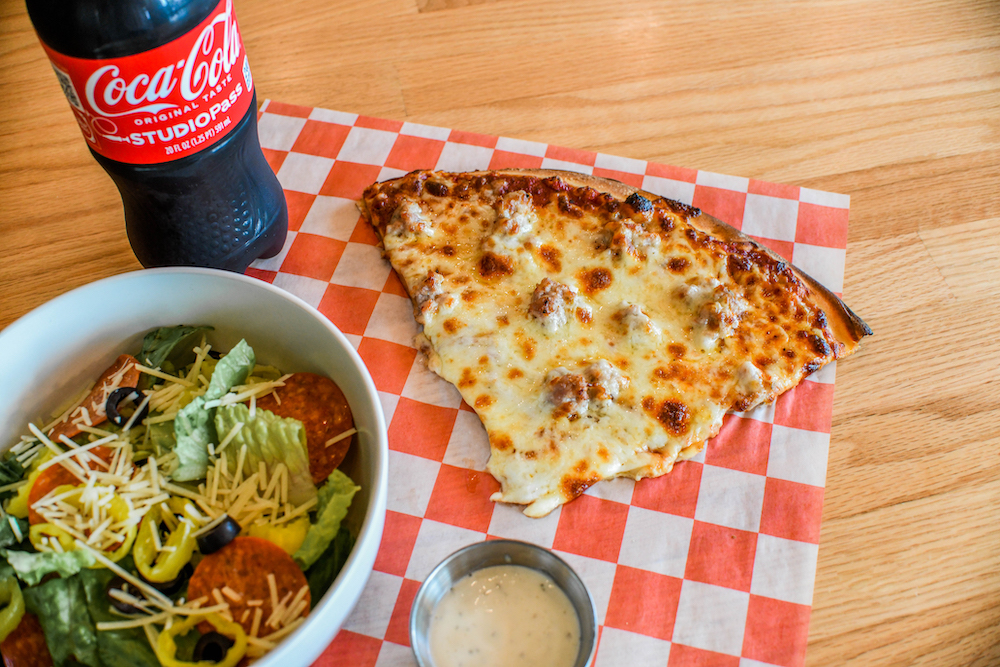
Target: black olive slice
{"type": "Point", "coordinates": [219, 536]}
{"type": "Point", "coordinates": [120, 584]}
{"type": "Point", "coordinates": [212, 647]}
{"type": "Point", "coordinates": [174, 586]}
{"type": "Point", "coordinates": [123, 395]}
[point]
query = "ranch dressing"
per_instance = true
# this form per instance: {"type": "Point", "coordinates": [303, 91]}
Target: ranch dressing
{"type": "Point", "coordinates": [504, 616]}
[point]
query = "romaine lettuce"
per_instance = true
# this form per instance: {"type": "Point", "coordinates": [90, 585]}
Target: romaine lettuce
{"type": "Point", "coordinates": [271, 439]}
{"type": "Point", "coordinates": [331, 508]}
{"type": "Point", "coordinates": [326, 568]}
{"type": "Point", "coordinates": [194, 426]}
{"type": "Point", "coordinates": [7, 536]}
{"type": "Point", "coordinates": [31, 567]}
{"type": "Point", "coordinates": [116, 648]}
{"type": "Point", "coordinates": [11, 471]}
{"type": "Point", "coordinates": [169, 343]}
{"type": "Point", "coordinates": [61, 607]}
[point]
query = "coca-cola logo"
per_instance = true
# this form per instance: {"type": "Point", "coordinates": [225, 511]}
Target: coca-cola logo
{"type": "Point", "coordinates": [111, 94]}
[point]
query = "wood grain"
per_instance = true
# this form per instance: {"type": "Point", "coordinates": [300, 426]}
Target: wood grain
{"type": "Point", "coordinates": [893, 102]}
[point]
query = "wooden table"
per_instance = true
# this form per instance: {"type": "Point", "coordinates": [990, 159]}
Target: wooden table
{"type": "Point", "coordinates": [896, 104]}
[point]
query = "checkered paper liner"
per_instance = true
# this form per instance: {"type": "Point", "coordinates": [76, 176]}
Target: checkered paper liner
{"type": "Point", "coordinates": [712, 564]}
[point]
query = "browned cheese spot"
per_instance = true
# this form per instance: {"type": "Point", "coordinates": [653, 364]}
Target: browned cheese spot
{"type": "Point", "coordinates": [584, 315]}
{"type": "Point", "coordinates": [819, 320]}
{"type": "Point", "coordinates": [595, 280]}
{"type": "Point", "coordinates": [515, 373]}
{"type": "Point", "coordinates": [812, 367]}
{"type": "Point", "coordinates": [675, 371]}
{"type": "Point", "coordinates": [573, 486]}
{"type": "Point", "coordinates": [673, 415]}
{"type": "Point", "coordinates": [677, 350]}
{"type": "Point", "coordinates": [493, 266]}
{"type": "Point", "coordinates": [551, 257]}
{"type": "Point", "coordinates": [503, 320]}
{"type": "Point", "coordinates": [453, 324]}
{"type": "Point", "coordinates": [527, 344]}
{"type": "Point", "coordinates": [469, 295]}
{"type": "Point", "coordinates": [678, 264]}
{"type": "Point", "coordinates": [484, 401]}
{"type": "Point", "coordinates": [763, 362]}
{"type": "Point", "coordinates": [468, 378]}
{"type": "Point", "coordinates": [530, 454]}
{"type": "Point", "coordinates": [816, 343]}
{"type": "Point", "coordinates": [603, 453]}
{"type": "Point", "coordinates": [483, 360]}
{"type": "Point", "coordinates": [501, 441]}
{"type": "Point", "coordinates": [448, 251]}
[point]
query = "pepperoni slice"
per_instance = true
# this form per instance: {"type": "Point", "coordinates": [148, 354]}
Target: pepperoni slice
{"type": "Point", "coordinates": [320, 405]}
{"type": "Point", "coordinates": [124, 367]}
{"type": "Point", "coordinates": [26, 647]}
{"type": "Point", "coordinates": [57, 475]}
{"type": "Point", "coordinates": [243, 566]}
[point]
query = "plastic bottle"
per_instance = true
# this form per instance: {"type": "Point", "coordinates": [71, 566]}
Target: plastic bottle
{"type": "Point", "coordinates": [163, 93]}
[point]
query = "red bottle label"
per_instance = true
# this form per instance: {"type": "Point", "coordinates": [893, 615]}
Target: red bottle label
{"type": "Point", "coordinates": [165, 103]}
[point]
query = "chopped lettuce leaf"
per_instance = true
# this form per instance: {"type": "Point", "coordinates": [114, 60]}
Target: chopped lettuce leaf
{"type": "Point", "coordinates": [331, 508]}
{"type": "Point", "coordinates": [232, 369]}
{"type": "Point", "coordinates": [174, 344]}
{"type": "Point", "coordinates": [273, 440]}
{"type": "Point", "coordinates": [32, 567]}
{"type": "Point", "coordinates": [194, 431]}
{"type": "Point", "coordinates": [8, 537]}
{"type": "Point", "coordinates": [116, 648]}
{"type": "Point", "coordinates": [162, 436]}
{"type": "Point", "coordinates": [194, 427]}
{"type": "Point", "coordinates": [61, 608]}
{"type": "Point", "coordinates": [10, 471]}
{"type": "Point", "coordinates": [326, 568]}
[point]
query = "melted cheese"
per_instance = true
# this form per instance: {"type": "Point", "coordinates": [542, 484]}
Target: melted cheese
{"type": "Point", "coordinates": [594, 341]}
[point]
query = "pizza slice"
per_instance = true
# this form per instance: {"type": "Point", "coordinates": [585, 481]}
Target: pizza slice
{"type": "Point", "coordinates": [597, 330]}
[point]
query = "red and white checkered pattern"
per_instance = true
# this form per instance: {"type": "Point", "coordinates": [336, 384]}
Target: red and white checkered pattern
{"type": "Point", "coordinates": [712, 564]}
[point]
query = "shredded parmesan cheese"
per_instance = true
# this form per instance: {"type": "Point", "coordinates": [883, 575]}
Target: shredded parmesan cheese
{"type": "Point", "coordinates": [337, 438]}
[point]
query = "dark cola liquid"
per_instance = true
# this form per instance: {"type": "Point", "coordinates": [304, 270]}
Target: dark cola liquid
{"type": "Point", "coordinates": [222, 207]}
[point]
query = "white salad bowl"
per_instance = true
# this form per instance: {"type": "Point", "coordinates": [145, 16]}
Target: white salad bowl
{"type": "Point", "coordinates": [62, 346]}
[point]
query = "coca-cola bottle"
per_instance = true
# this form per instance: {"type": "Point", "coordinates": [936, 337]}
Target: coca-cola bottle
{"type": "Point", "coordinates": [163, 94]}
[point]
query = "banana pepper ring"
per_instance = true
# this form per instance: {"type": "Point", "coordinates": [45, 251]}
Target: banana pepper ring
{"type": "Point", "coordinates": [166, 645]}
{"type": "Point", "coordinates": [10, 615]}
{"type": "Point", "coordinates": [163, 566]}
{"type": "Point", "coordinates": [117, 509]}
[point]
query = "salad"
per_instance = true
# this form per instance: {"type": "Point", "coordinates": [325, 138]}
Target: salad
{"type": "Point", "coordinates": [186, 509]}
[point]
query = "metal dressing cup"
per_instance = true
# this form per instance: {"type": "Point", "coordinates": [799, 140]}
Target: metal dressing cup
{"type": "Point", "coordinates": [500, 552]}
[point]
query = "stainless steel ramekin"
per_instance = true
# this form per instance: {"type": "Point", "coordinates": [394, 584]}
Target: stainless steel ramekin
{"type": "Point", "coordinates": [500, 552]}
